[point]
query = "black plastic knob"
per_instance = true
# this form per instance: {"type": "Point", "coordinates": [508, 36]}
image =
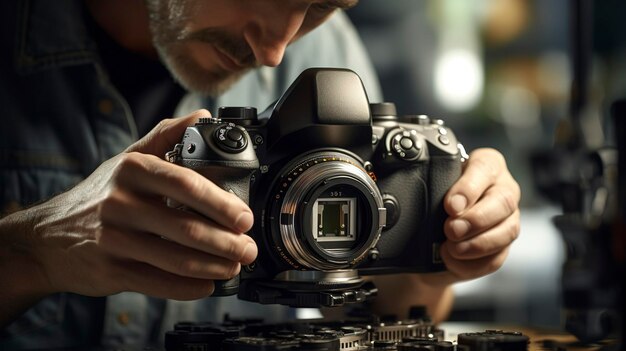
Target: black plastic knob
{"type": "Point", "coordinates": [234, 135]}
{"type": "Point", "coordinates": [230, 138]}
{"type": "Point", "coordinates": [384, 111]}
{"type": "Point", "coordinates": [406, 145]}
{"type": "Point", "coordinates": [239, 115]}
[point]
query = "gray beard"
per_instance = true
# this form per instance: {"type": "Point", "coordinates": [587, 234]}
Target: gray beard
{"type": "Point", "coordinates": [168, 36]}
{"type": "Point", "coordinates": [193, 77]}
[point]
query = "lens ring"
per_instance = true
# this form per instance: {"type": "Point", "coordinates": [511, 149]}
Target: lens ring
{"type": "Point", "coordinates": [330, 166]}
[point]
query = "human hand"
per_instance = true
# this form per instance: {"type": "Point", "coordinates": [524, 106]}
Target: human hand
{"type": "Point", "coordinates": [113, 231]}
{"type": "Point", "coordinates": [484, 219]}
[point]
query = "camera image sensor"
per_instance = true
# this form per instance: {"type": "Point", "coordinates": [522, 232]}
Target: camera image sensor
{"type": "Point", "coordinates": [334, 220]}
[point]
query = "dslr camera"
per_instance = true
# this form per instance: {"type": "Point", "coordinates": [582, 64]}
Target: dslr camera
{"type": "Point", "coordinates": [340, 188]}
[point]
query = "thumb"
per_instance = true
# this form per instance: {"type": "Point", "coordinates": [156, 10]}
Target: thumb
{"type": "Point", "coordinates": [166, 134]}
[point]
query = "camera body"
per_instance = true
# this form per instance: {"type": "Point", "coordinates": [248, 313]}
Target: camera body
{"type": "Point", "coordinates": [339, 188]}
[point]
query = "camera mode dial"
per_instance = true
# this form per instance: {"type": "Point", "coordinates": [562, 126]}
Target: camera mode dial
{"type": "Point", "coordinates": [241, 115]}
{"type": "Point", "coordinates": [383, 111]}
{"type": "Point", "coordinates": [407, 145]}
{"type": "Point", "coordinates": [230, 138]}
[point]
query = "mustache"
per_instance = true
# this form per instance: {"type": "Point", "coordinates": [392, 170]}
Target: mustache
{"type": "Point", "coordinates": [234, 47]}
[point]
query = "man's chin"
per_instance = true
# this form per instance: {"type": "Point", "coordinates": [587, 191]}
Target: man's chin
{"type": "Point", "coordinates": [194, 78]}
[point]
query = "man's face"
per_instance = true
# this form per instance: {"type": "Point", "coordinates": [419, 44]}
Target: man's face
{"type": "Point", "coordinates": [209, 44]}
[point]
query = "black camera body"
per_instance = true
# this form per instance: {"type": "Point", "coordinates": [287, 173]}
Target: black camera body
{"type": "Point", "coordinates": [339, 188]}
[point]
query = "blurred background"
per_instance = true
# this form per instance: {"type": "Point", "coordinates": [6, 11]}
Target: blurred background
{"type": "Point", "coordinates": [499, 72]}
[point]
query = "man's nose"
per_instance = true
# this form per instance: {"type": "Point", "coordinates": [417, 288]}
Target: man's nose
{"type": "Point", "coordinates": [272, 29]}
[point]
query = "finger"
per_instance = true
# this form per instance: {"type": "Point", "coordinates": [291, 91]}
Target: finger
{"type": "Point", "coordinates": [487, 243]}
{"type": "Point", "coordinates": [480, 171]}
{"type": "Point", "coordinates": [151, 175]}
{"type": "Point", "coordinates": [146, 279]}
{"type": "Point", "coordinates": [166, 255]}
{"type": "Point", "coordinates": [497, 203]}
{"type": "Point", "coordinates": [183, 227]}
{"type": "Point", "coordinates": [470, 269]}
{"type": "Point", "coordinates": [166, 134]}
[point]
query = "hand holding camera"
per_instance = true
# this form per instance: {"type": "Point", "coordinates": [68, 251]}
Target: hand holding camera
{"type": "Point", "coordinates": [112, 232]}
{"type": "Point", "coordinates": [484, 216]}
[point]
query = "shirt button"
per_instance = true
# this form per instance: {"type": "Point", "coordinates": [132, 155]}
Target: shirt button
{"type": "Point", "coordinates": [105, 106]}
{"type": "Point", "coordinates": [123, 318]}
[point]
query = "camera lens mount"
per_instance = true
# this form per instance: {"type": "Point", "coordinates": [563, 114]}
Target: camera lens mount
{"type": "Point", "coordinates": [331, 212]}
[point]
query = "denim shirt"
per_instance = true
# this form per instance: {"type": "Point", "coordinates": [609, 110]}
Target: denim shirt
{"type": "Point", "coordinates": [61, 118]}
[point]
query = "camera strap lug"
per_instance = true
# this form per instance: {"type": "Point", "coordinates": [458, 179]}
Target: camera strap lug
{"type": "Point", "coordinates": [174, 155]}
{"type": "Point", "coordinates": [464, 154]}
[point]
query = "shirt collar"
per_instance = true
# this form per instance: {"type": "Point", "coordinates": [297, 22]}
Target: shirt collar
{"type": "Point", "coordinates": [52, 34]}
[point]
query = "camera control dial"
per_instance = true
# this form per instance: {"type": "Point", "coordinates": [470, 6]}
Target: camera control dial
{"type": "Point", "coordinates": [209, 120]}
{"type": "Point", "coordinates": [230, 138]}
{"type": "Point", "coordinates": [407, 145]}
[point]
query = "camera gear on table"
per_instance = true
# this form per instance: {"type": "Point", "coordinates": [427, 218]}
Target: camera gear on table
{"type": "Point", "coordinates": [339, 188]}
{"type": "Point", "coordinates": [358, 334]}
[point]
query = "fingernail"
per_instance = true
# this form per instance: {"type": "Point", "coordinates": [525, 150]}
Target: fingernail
{"type": "Point", "coordinates": [249, 253]}
{"type": "Point", "coordinates": [460, 227]}
{"type": "Point", "coordinates": [244, 222]}
{"type": "Point", "coordinates": [458, 203]}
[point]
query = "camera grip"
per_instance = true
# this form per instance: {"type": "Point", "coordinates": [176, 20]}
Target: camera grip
{"type": "Point", "coordinates": [236, 181]}
{"type": "Point", "coordinates": [226, 287]}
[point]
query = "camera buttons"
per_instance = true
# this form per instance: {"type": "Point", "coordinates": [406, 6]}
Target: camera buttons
{"type": "Point", "coordinates": [234, 135]}
{"type": "Point", "coordinates": [230, 138]}
{"type": "Point", "coordinates": [406, 145]}
{"type": "Point", "coordinates": [443, 139]}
